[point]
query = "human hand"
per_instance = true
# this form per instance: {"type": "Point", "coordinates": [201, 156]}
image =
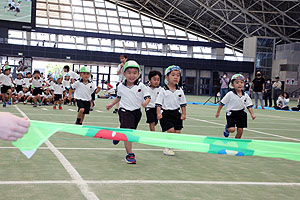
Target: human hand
{"type": "Point", "coordinates": [109, 106]}
{"type": "Point", "coordinates": [144, 104]}
{"type": "Point", "coordinates": [12, 127]}
{"type": "Point", "coordinates": [253, 116]}
{"type": "Point", "coordinates": [217, 115]}
{"type": "Point", "coordinates": [183, 117]}
{"type": "Point", "coordinates": [159, 116]}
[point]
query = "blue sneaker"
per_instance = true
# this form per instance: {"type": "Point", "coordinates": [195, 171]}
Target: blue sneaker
{"type": "Point", "coordinates": [4, 104]}
{"type": "Point", "coordinates": [115, 142]}
{"type": "Point", "coordinates": [130, 158]}
{"type": "Point", "coordinates": [226, 132]}
{"type": "Point", "coordinates": [9, 103]}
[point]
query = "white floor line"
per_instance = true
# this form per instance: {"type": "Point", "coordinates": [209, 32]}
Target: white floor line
{"type": "Point", "coordinates": [279, 117]}
{"type": "Point", "coordinates": [99, 111]}
{"type": "Point", "coordinates": [81, 184]}
{"type": "Point", "coordinates": [255, 131]}
{"type": "Point", "coordinates": [72, 110]}
{"type": "Point", "coordinates": [152, 182]}
{"type": "Point", "coordinates": [44, 109]}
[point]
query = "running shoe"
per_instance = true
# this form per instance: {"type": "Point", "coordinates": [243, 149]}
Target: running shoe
{"type": "Point", "coordinates": [115, 111]}
{"type": "Point", "coordinates": [168, 152]}
{"type": "Point", "coordinates": [54, 107]}
{"type": "Point", "coordinates": [60, 108]}
{"type": "Point", "coordinates": [4, 104]}
{"type": "Point", "coordinates": [226, 132]}
{"type": "Point", "coordinates": [115, 142]}
{"type": "Point", "coordinates": [130, 158]}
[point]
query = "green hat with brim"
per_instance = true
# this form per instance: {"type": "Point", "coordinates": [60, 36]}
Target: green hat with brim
{"type": "Point", "coordinates": [172, 68]}
{"type": "Point", "coordinates": [131, 64]}
{"type": "Point", "coordinates": [7, 67]}
{"type": "Point", "coordinates": [84, 69]}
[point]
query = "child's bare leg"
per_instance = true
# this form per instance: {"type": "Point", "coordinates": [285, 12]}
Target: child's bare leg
{"type": "Point", "coordinates": [171, 130]}
{"type": "Point", "coordinates": [128, 147]}
{"type": "Point", "coordinates": [82, 118]}
{"type": "Point", "coordinates": [152, 126]}
{"type": "Point", "coordinates": [34, 99]}
{"type": "Point", "coordinates": [231, 129]}
{"type": "Point", "coordinates": [239, 133]}
{"type": "Point", "coordinates": [43, 100]}
{"type": "Point", "coordinates": [9, 94]}
{"type": "Point", "coordinates": [177, 131]}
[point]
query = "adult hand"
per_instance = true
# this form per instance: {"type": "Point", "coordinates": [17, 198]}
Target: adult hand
{"type": "Point", "coordinates": [12, 127]}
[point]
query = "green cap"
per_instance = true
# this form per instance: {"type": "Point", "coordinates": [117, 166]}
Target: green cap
{"type": "Point", "coordinates": [238, 77]}
{"type": "Point", "coordinates": [131, 64]}
{"type": "Point", "coordinates": [84, 69]}
{"type": "Point", "coordinates": [7, 67]}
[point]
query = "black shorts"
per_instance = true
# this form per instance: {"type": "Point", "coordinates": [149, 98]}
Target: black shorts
{"type": "Point", "coordinates": [19, 88]}
{"type": "Point", "coordinates": [37, 91]}
{"type": "Point", "coordinates": [129, 119]}
{"type": "Point", "coordinates": [12, 8]}
{"type": "Point", "coordinates": [84, 104]}
{"type": "Point", "coordinates": [4, 89]}
{"type": "Point", "coordinates": [151, 115]}
{"type": "Point", "coordinates": [93, 96]}
{"type": "Point", "coordinates": [57, 97]}
{"type": "Point", "coordinates": [171, 119]}
{"type": "Point", "coordinates": [236, 119]}
{"type": "Point", "coordinates": [17, 9]}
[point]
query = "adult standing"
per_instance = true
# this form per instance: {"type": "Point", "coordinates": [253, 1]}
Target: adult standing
{"type": "Point", "coordinates": [123, 60]}
{"type": "Point", "coordinates": [21, 67]}
{"type": "Point", "coordinates": [73, 75]}
{"type": "Point", "coordinates": [224, 85]}
{"type": "Point", "coordinates": [277, 89]}
{"type": "Point", "coordinates": [268, 93]}
{"type": "Point", "coordinates": [247, 86]}
{"type": "Point", "coordinates": [258, 86]}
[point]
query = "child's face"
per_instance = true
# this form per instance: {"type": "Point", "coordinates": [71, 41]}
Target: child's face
{"type": "Point", "coordinates": [284, 94]}
{"type": "Point", "coordinates": [238, 85]}
{"type": "Point", "coordinates": [173, 77]}
{"type": "Point", "coordinates": [131, 74]}
{"type": "Point", "coordinates": [28, 75]}
{"type": "Point", "coordinates": [59, 80]}
{"type": "Point", "coordinates": [122, 59]}
{"type": "Point", "coordinates": [19, 76]}
{"type": "Point", "coordinates": [85, 75]}
{"type": "Point", "coordinates": [67, 78]}
{"type": "Point", "coordinates": [7, 72]}
{"type": "Point", "coordinates": [47, 91]}
{"type": "Point", "coordinates": [24, 89]}
{"type": "Point", "coordinates": [155, 81]}
{"type": "Point", "coordinates": [36, 75]}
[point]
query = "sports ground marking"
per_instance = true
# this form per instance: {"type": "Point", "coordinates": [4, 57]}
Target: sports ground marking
{"type": "Point", "coordinates": [81, 184]}
{"type": "Point", "coordinates": [255, 131]}
{"type": "Point", "coordinates": [152, 182]}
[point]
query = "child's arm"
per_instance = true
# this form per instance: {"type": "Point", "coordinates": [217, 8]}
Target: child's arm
{"type": "Point", "coordinates": [146, 102]}
{"type": "Point", "coordinates": [183, 114]}
{"type": "Point", "coordinates": [70, 94]}
{"type": "Point", "coordinates": [158, 112]}
{"type": "Point", "coordinates": [115, 101]}
{"type": "Point", "coordinates": [98, 89]}
{"type": "Point", "coordinates": [219, 110]}
{"type": "Point", "coordinates": [251, 113]}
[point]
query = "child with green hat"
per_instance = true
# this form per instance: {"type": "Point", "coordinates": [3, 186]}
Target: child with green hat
{"type": "Point", "coordinates": [83, 89]}
{"type": "Point", "coordinates": [131, 94]}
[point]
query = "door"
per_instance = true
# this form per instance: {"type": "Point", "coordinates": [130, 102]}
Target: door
{"type": "Point", "coordinates": [204, 86]}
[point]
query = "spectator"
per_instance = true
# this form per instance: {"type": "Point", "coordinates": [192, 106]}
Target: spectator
{"type": "Point", "coordinates": [21, 67]}
{"type": "Point", "coordinates": [224, 85]}
{"type": "Point", "coordinates": [282, 102]}
{"type": "Point", "coordinates": [277, 89]}
{"type": "Point", "coordinates": [247, 87]}
{"type": "Point", "coordinates": [298, 106]}
{"type": "Point", "coordinates": [268, 93]}
{"type": "Point", "coordinates": [258, 86]}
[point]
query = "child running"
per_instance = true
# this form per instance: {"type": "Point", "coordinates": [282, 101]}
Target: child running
{"type": "Point", "coordinates": [171, 104]}
{"type": "Point", "coordinates": [83, 91]}
{"type": "Point", "coordinates": [236, 101]}
{"type": "Point", "coordinates": [154, 88]}
{"type": "Point", "coordinates": [131, 94]}
{"type": "Point", "coordinates": [58, 92]}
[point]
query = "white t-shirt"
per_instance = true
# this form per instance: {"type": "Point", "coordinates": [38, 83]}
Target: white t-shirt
{"type": "Point", "coordinates": [27, 81]}
{"type": "Point", "coordinates": [73, 75]}
{"type": "Point", "coordinates": [153, 93]}
{"type": "Point", "coordinates": [170, 100]}
{"type": "Point", "coordinates": [58, 88]}
{"type": "Point", "coordinates": [37, 83]}
{"type": "Point", "coordinates": [5, 79]}
{"type": "Point", "coordinates": [83, 91]}
{"type": "Point", "coordinates": [121, 76]}
{"type": "Point", "coordinates": [66, 84]}
{"type": "Point", "coordinates": [235, 102]}
{"type": "Point", "coordinates": [19, 81]}
{"type": "Point", "coordinates": [26, 94]}
{"type": "Point", "coordinates": [47, 96]}
{"type": "Point", "coordinates": [133, 97]}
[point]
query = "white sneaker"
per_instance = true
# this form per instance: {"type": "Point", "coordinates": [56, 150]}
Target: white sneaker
{"type": "Point", "coordinates": [168, 152]}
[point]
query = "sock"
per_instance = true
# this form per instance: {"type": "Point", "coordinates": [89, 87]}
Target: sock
{"type": "Point", "coordinates": [40, 101]}
{"type": "Point", "coordinates": [9, 100]}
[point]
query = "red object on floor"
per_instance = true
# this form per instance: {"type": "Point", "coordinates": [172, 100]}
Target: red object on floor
{"type": "Point", "coordinates": [60, 108]}
{"type": "Point", "coordinates": [54, 107]}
